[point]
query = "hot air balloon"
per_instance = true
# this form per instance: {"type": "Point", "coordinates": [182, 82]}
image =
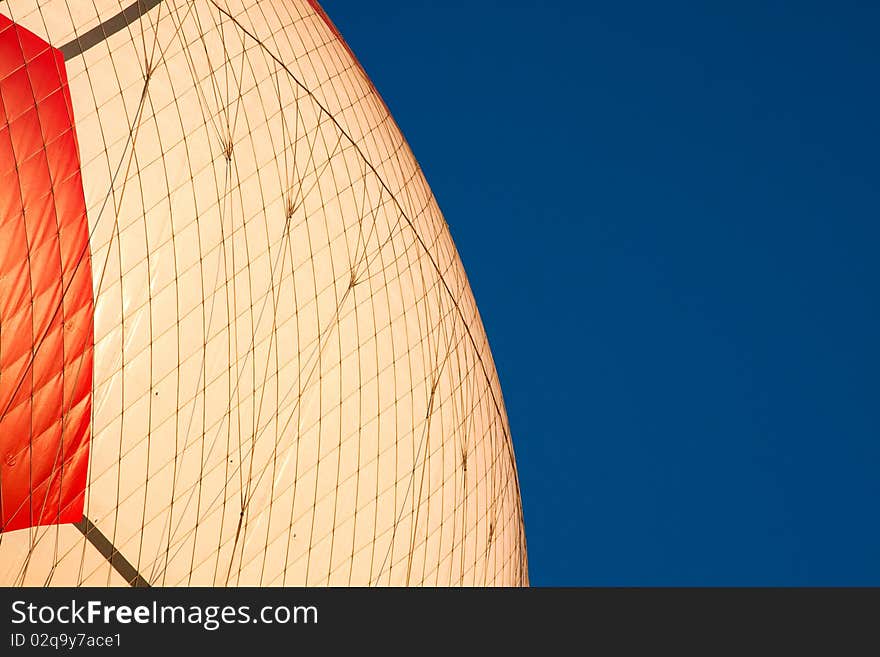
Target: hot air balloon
{"type": "Point", "coordinates": [237, 343]}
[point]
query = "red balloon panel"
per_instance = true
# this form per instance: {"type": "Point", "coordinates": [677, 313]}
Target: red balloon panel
{"type": "Point", "coordinates": [46, 301]}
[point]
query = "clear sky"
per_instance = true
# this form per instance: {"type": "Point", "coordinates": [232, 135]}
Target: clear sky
{"type": "Point", "coordinates": [670, 217]}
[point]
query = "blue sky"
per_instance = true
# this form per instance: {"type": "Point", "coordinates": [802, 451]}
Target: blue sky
{"type": "Point", "coordinates": [670, 217]}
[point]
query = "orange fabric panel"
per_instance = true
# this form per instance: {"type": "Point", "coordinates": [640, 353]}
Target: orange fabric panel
{"type": "Point", "coordinates": [46, 301]}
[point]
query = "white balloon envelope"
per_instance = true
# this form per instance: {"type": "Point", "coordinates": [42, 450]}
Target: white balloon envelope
{"type": "Point", "coordinates": [237, 344]}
